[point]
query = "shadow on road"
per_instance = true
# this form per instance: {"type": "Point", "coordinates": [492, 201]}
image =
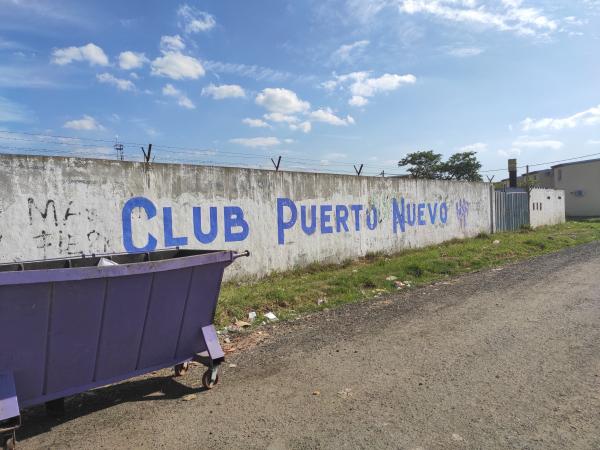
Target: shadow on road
{"type": "Point", "coordinates": [36, 420]}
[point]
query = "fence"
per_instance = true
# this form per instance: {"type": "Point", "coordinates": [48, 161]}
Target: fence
{"type": "Point", "coordinates": [511, 210]}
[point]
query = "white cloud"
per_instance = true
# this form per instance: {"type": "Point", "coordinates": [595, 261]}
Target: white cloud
{"type": "Point", "coordinates": [349, 52]}
{"type": "Point", "coordinates": [182, 100]}
{"type": "Point", "coordinates": [131, 60]}
{"type": "Point", "coordinates": [172, 43]}
{"type": "Point", "coordinates": [224, 91]}
{"type": "Point", "coordinates": [590, 116]}
{"type": "Point", "coordinates": [510, 153]}
{"type": "Point", "coordinates": [593, 142]}
{"type": "Point", "coordinates": [476, 147]}
{"type": "Point", "coordinates": [174, 64]}
{"type": "Point", "coordinates": [256, 123]}
{"type": "Point", "coordinates": [526, 142]}
{"type": "Point", "coordinates": [258, 142]}
{"type": "Point", "coordinates": [177, 66]}
{"type": "Point", "coordinates": [119, 83]}
{"type": "Point", "coordinates": [362, 86]}
{"type": "Point", "coordinates": [12, 112]}
{"type": "Point", "coordinates": [368, 87]}
{"type": "Point", "coordinates": [326, 115]}
{"type": "Point", "coordinates": [305, 127]}
{"type": "Point", "coordinates": [330, 85]}
{"type": "Point", "coordinates": [464, 52]}
{"type": "Point", "coordinates": [86, 123]}
{"type": "Point", "coordinates": [91, 53]}
{"type": "Point", "coordinates": [249, 71]}
{"type": "Point", "coordinates": [281, 118]}
{"type": "Point", "coordinates": [282, 101]}
{"type": "Point", "coordinates": [365, 10]}
{"type": "Point", "coordinates": [357, 100]}
{"type": "Point", "coordinates": [510, 16]}
{"type": "Point", "coordinates": [193, 20]}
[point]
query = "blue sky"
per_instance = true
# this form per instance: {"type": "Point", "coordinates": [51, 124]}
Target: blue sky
{"type": "Point", "coordinates": [325, 83]}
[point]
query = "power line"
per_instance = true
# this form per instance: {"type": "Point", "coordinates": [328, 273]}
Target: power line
{"type": "Point", "coordinates": [559, 161]}
{"type": "Point", "coordinates": [542, 164]}
{"type": "Point", "coordinates": [190, 151]}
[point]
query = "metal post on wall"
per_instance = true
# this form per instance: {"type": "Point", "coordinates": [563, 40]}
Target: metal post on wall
{"type": "Point", "coordinates": [148, 154]}
{"type": "Point", "coordinates": [276, 164]}
{"type": "Point", "coordinates": [358, 170]}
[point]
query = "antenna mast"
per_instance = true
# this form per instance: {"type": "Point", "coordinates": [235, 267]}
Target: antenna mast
{"type": "Point", "coordinates": [119, 149]}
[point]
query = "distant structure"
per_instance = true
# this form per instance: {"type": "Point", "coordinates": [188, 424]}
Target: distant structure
{"type": "Point", "coordinates": [537, 178]}
{"type": "Point", "coordinates": [119, 149]}
{"type": "Point", "coordinates": [581, 183]}
{"type": "Point", "coordinates": [580, 180]}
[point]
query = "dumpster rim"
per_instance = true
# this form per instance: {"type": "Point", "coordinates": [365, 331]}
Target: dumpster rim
{"type": "Point", "coordinates": [121, 270]}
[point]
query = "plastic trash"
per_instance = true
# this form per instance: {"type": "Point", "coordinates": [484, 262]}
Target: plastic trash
{"type": "Point", "coordinates": [270, 316]}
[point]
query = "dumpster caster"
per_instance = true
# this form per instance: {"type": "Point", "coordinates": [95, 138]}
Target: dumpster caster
{"type": "Point", "coordinates": [210, 378]}
{"type": "Point", "coordinates": [181, 369]}
{"type": "Point", "coordinates": [9, 442]}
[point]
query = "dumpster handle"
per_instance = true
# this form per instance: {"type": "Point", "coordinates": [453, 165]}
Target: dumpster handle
{"type": "Point", "coordinates": [239, 255]}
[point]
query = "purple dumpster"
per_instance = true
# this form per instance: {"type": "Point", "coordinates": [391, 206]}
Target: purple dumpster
{"type": "Point", "coordinates": [70, 325]}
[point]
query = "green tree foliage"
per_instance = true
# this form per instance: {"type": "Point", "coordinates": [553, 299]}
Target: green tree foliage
{"type": "Point", "coordinates": [463, 166]}
{"type": "Point", "coordinates": [423, 164]}
{"type": "Point", "coordinates": [428, 164]}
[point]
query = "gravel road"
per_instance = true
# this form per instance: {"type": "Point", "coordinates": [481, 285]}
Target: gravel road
{"type": "Point", "coordinates": [507, 358]}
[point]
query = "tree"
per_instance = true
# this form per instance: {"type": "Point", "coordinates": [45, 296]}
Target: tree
{"type": "Point", "coordinates": [424, 164]}
{"type": "Point", "coordinates": [429, 165]}
{"type": "Point", "coordinates": [463, 166]}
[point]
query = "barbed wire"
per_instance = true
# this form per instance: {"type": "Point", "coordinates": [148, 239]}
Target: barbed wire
{"type": "Point", "coordinates": [91, 148]}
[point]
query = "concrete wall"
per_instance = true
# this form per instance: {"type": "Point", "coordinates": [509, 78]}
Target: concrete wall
{"type": "Point", "coordinates": [546, 207]}
{"type": "Point", "coordinates": [581, 183]}
{"type": "Point", "coordinates": [59, 207]}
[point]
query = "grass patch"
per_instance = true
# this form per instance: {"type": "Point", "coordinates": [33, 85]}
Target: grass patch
{"type": "Point", "coordinates": [297, 292]}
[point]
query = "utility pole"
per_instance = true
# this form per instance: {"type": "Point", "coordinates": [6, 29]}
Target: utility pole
{"type": "Point", "coordinates": [119, 149]}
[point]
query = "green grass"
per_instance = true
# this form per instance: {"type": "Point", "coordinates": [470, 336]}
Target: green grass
{"type": "Point", "coordinates": [296, 292]}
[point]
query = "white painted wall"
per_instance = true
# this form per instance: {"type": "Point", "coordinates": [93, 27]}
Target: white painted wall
{"type": "Point", "coordinates": [58, 207]}
{"type": "Point", "coordinates": [546, 207]}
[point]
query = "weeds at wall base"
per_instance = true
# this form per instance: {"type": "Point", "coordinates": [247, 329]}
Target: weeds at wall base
{"type": "Point", "coordinates": [316, 287]}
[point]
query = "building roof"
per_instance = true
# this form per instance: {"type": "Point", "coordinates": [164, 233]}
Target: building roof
{"type": "Point", "coordinates": [577, 162]}
{"type": "Point", "coordinates": [535, 172]}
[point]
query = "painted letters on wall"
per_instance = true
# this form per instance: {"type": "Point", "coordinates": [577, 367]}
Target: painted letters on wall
{"type": "Point", "coordinates": [312, 219]}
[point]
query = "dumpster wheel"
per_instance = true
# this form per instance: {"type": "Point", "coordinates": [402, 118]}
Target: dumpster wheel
{"type": "Point", "coordinates": [10, 443]}
{"type": "Point", "coordinates": [210, 378]}
{"type": "Point", "coordinates": [181, 369]}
